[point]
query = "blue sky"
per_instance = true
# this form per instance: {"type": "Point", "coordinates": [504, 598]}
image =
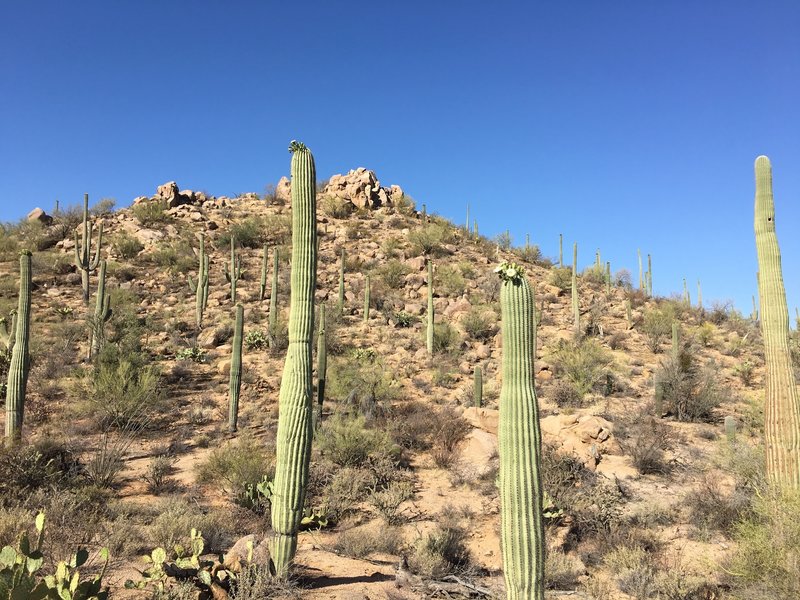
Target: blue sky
{"type": "Point", "coordinates": [621, 124]}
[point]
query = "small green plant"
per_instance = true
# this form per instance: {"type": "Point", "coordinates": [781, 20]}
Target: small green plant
{"type": "Point", "coordinates": [745, 371]}
{"type": "Point", "coordinates": [404, 319]}
{"type": "Point", "coordinates": [237, 467]}
{"type": "Point", "coordinates": [157, 474]}
{"type": "Point", "coordinates": [480, 324]}
{"type": "Point", "coordinates": [151, 212]}
{"type": "Point", "coordinates": [445, 338]}
{"type": "Point", "coordinates": [561, 277]}
{"type": "Point", "coordinates": [657, 326]}
{"type": "Point", "coordinates": [256, 339]}
{"type": "Point", "coordinates": [127, 246]}
{"type": "Point", "coordinates": [346, 441]}
{"type": "Point", "coordinates": [430, 239]}
{"type": "Point", "coordinates": [584, 363]}
{"type": "Point", "coordinates": [192, 353]}
{"type": "Point", "coordinates": [393, 274]}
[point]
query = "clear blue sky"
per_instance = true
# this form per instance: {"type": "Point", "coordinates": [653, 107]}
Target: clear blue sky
{"type": "Point", "coordinates": [623, 124]}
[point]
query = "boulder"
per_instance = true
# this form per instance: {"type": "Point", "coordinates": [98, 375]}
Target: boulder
{"type": "Point", "coordinates": [38, 215]}
{"type": "Point", "coordinates": [283, 191]}
{"type": "Point", "coordinates": [170, 193]}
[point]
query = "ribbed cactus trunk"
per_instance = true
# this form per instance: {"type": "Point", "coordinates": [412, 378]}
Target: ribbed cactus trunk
{"type": "Point", "coordinates": [754, 313]}
{"type": "Point", "coordinates": [782, 404]}
{"type": "Point", "coordinates": [561, 250]}
{"type": "Point", "coordinates": [235, 382]}
{"type": "Point", "coordinates": [322, 366]}
{"type": "Point", "coordinates": [676, 340]}
{"type": "Point", "coordinates": [475, 229]}
{"type": "Point", "coordinates": [519, 439]}
{"type": "Point", "coordinates": [699, 296]}
{"type": "Point", "coordinates": [235, 272]}
{"type": "Point", "coordinates": [576, 312]}
{"type": "Point", "coordinates": [200, 287]}
{"type": "Point", "coordinates": [262, 288]}
{"type": "Point", "coordinates": [477, 387]}
{"type": "Point", "coordinates": [608, 277]}
{"type": "Point", "coordinates": [649, 276]}
{"type": "Point", "coordinates": [293, 445]}
{"type": "Point", "coordinates": [20, 357]}
{"type": "Point", "coordinates": [102, 313]}
{"type": "Point", "coordinates": [83, 252]}
{"type": "Point", "coordinates": [341, 284]}
{"type": "Point", "coordinates": [629, 314]}
{"type": "Point", "coordinates": [687, 299]}
{"type": "Point", "coordinates": [273, 300]}
{"type": "Point", "coordinates": [366, 300]}
{"type": "Point", "coordinates": [641, 273]}
{"type": "Point", "coordinates": [431, 319]}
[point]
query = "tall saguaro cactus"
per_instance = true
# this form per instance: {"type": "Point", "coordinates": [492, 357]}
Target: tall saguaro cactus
{"type": "Point", "coordinates": [431, 319]}
{"type": "Point", "coordinates": [200, 287]}
{"type": "Point", "coordinates": [20, 357]}
{"type": "Point", "coordinates": [273, 299]}
{"type": "Point", "coordinates": [262, 288]}
{"type": "Point", "coordinates": [576, 312]}
{"type": "Point", "coordinates": [341, 284]}
{"type": "Point", "coordinates": [235, 383]}
{"type": "Point", "coordinates": [366, 299]}
{"type": "Point", "coordinates": [477, 387]}
{"type": "Point", "coordinates": [102, 313]}
{"type": "Point", "coordinates": [293, 445]}
{"type": "Point", "coordinates": [233, 274]}
{"type": "Point", "coordinates": [519, 440]}
{"type": "Point", "coordinates": [782, 404]}
{"type": "Point", "coordinates": [322, 365]}
{"type": "Point", "coordinates": [561, 250]}
{"type": "Point", "coordinates": [83, 256]}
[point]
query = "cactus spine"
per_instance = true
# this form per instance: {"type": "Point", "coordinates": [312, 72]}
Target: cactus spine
{"type": "Point", "coordinates": [519, 439]}
{"type": "Point", "coordinates": [102, 313]}
{"type": "Point", "coordinates": [83, 257]}
{"type": "Point", "coordinates": [200, 287]}
{"type": "Point", "coordinates": [20, 357]}
{"type": "Point", "coordinates": [477, 387]}
{"type": "Point", "coordinates": [262, 288]}
{"type": "Point", "coordinates": [322, 365]}
{"type": "Point", "coordinates": [782, 404]}
{"type": "Point", "coordinates": [235, 383]}
{"type": "Point", "coordinates": [366, 300]}
{"type": "Point", "coordinates": [576, 313]}
{"type": "Point", "coordinates": [233, 274]}
{"type": "Point", "coordinates": [429, 331]}
{"type": "Point", "coordinates": [273, 300]}
{"type": "Point", "coordinates": [341, 284]}
{"type": "Point", "coordinates": [293, 447]}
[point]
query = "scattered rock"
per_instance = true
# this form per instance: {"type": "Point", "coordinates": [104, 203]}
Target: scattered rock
{"type": "Point", "coordinates": [37, 214]}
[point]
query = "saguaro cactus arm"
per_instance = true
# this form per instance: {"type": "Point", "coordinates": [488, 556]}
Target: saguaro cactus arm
{"type": "Point", "coordinates": [782, 404]}
{"type": "Point", "coordinates": [20, 357]}
{"type": "Point", "coordinates": [293, 444]}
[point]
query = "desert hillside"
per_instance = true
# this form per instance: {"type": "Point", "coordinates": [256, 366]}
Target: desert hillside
{"type": "Point", "coordinates": [651, 410]}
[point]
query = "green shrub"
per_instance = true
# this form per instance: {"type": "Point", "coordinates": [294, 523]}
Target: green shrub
{"type": "Point", "coordinates": [430, 239]}
{"type": "Point", "coordinates": [124, 394]}
{"type": "Point", "coordinates": [480, 324]}
{"type": "Point", "coordinates": [449, 281]}
{"type": "Point", "coordinates": [360, 542]}
{"type": "Point", "coordinates": [561, 277]}
{"type": "Point", "coordinates": [177, 257]}
{"type": "Point", "coordinates": [446, 338]}
{"type": "Point", "coordinates": [594, 275]}
{"type": "Point", "coordinates": [236, 466]}
{"type": "Point", "coordinates": [248, 233]}
{"type": "Point", "coordinates": [441, 552]}
{"type": "Point", "coordinates": [346, 441]}
{"type": "Point", "coordinates": [362, 382]}
{"type": "Point", "coordinates": [647, 440]}
{"type": "Point", "coordinates": [584, 363]}
{"type": "Point", "coordinates": [657, 326]}
{"type": "Point", "coordinates": [151, 212]}
{"type": "Point", "coordinates": [686, 392]}
{"type": "Point", "coordinates": [127, 246]}
{"type": "Point", "coordinates": [256, 339]}
{"type": "Point", "coordinates": [393, 274]}
{"type": "Point", "coordinates": [104, 207]}
{"type": "Point", "coordinates": [336, 207]}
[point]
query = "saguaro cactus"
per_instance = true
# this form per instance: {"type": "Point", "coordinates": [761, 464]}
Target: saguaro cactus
{"type": "Point", "coordinates": [561, 250]}
{"type": "Point", "coordinates": [102, 313]}
{"type": "Point", "coordinates": [233, 274]}
{"type": "Point", "coordinates": [262, 288]}
{"type": "Point", "coordinates": [519, 440]}
{"type": "Point", "coordinates": [235, 383]}
{"type": "Point", "coordinates": [477, 387]}
{"type": "Point", "coordinates": [608, 277]}
{"type": "Point", "coordinates": [687, 300]}
{"type": "Point", "coordinates": [649, 276]}
{"type": "Point", "coordinates": [341, 284]}
{"type": "Point", "coordinates": [475, 229]}
{"type": "Point", "coordinates": [273, 300]}
{"type": "Point", "coordinates": [366, 300]}
{"type": "Point", "coordinates": [20, 357]}
{"type": "Point", "coordinates": [782, 404]}
{"type": "Point", "coordinates": [699, 296]}
{"type": "Point", "coordinates": [83, 257]}
{"type": "Point", "coordinates": [429, 332]}
{"type": "Point", "coordinates": [629, 314]}
{"type": "Point", "coordinates": [322, 365]}
{"type": "Point", "coordinates": [576, 312]}
{"type": "Point", "coordinates": [641, 274]}
{"type": "Point", "coordinates": [754, 313]}
{"type": "Point", "coordinates": [8, 331]}
{"type": "Point", "coordinates": [200, 287]}
{"type": "Point", "coordinates": [293, 445]}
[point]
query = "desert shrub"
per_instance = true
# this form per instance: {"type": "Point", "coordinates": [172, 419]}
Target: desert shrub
{"type": "Point", "coordinates": [744, 370]}
{"type": "Point", "coordinates": [236, 466]}
{"type": "Point", "coordinates": [255, 582]}
{"type": "Point", "coordinates": [347, 442]}
{"type": "Point", "coordinates": [647, 440]}
{"type": "Point", "coordinates": [409, 425]}
{"type": "Point", "coordinates": [531, 254]}
{"type": "Point", "coordinates": [404, 204]}
{"type": "Point", "coordinates": [711, 508]}
{"type": "Point", "coordinates": [594, 275]}
{"type": "Point", "coordinates": [124, 393]}
{"type": "Point", "coordinates": [765, 563]}
{"type": "Point", "coordinates": [174, 519]}
{"type": "Point", "coordinates": [360, 542]}
{"type": "Point", "coordinates": [584, 363]}
{"type": "Point", "coordinates": [480, 324]}
{"type": "Point", "coordinates": [565, 394]}
{"type": "Point", "coordinates": [105, 206]}
{"type": "Point", "coordinates": [387, 501]}
{"type": "Point", "coordinates": [706, 334]}
{"type": "Point", "coordinates": [448, 281]}
{"type": "Point", "coordinates": [445, 338]}
{"type": "Point", "coordinates": [404, 319]}
{"type": "Point", "coordinates": [430, 239]}
{"type": "Point", "coordinates": [150, 212]}
{"type": "Point", "coordinates": [616, 341]}
{"type": "Point", "coordinates": [449, 430]}
{"type": "Point", "coordinates": [562, 571]}
{"type": "Point", "coordinates": [688, 393]}
{"type": "Point", "coordinates": [25, 468]}
{"type": "Point", "coordinates": [393, 274]}
{"type": "Point", "coordinates": [657, 326]}
{"type": "Point", "coordinates": [622, 279]}
{"type": "Point", "coordinates": [247, 233]}
{"type": "Point", "coordinates": [127, 246]}
{"type": "Point", "coordinates": [336, 207]}
{"type": "Point", "coordinates": [443, 551]}
{"type": "Point", "coordinates": [177, 257]}
{"type": "Point", "coordinates": [362, 382]}
{"type": "Point", "coordinates": [561, 277]}
{"type": "Point", "coordinates": [157, 474]}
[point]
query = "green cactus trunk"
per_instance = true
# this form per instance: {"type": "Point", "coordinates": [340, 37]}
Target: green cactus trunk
{"type": "Point", "coordinates": [273, 300]}
{"type": "Point", "coordinates": [576, 312]}
{"type": "Point", "coordinates": [102, 313]}
{"type": "Point", "coordinates": [561, 250]}
{"type": "Point", "coordinates": [466, 225]}
{"type": "Point", "coordinates": [83, 256]}
{"type": "Point", "coordinates": [200, 287]}
{"type": "Point", "coordinates": [424, 213]}
{"type": "Point", "coordinates": [262, 288]}
{"type": "Point", "coordinates": [519, 440]}
{"type": "Point", "coordinates": [293, 445]}
{"type": "Point", "coordinates": [597, 262]}
{"type": "Point", "coordinates": [629, 314]}
{"type": "Point", "coordinates": [782, 404]}
{"type": "Point", "coordinates": [366, 300]}
{"type": "Point", "coordinates": [699, 296]}
{"type": "Point", "coordinates": [20, 357]}
{"type": "Point", "coordinates": [687, 300]}
{"type": "Point", "coordinates": [754, 314]}
{"type": "Point", "coordinates": [235, 272]}
{"type": "Point", "coordinates": [608, 278]}
{"type": "Point", "coordinates": [477, 387]}
{"type": "Point", "coordinates": [475, 229]}
{"type": "Point", "coordinates": [431, 319]}
{"type": "Point", "coordinates": [322, 366]}
{"type": "Point", "coordinates": [341, 284]}
{"type": "Point", "coordinates": [235, 383]}
{"type": "Point", "coordinates": [649, 276]}
{"type": "Point", "coordinates": [641, 274]}
{"type": "Point", "coordinates": [676, 341]}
